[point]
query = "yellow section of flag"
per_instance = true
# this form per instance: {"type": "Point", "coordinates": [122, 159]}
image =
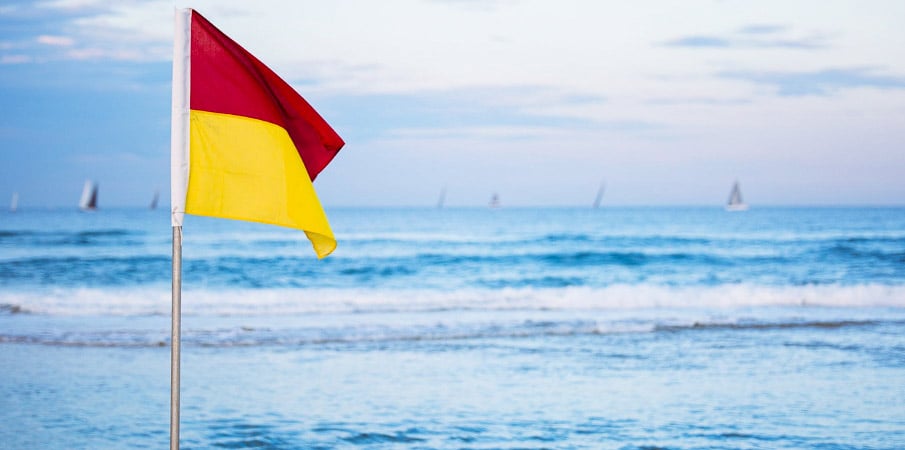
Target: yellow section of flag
{"type": "Point", "coordinates": [249, 169]}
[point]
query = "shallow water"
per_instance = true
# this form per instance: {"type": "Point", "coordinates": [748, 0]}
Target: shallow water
{"type": "Point", "coordinates": [556, 328]}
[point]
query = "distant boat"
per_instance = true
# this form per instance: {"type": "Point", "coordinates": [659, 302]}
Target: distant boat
{"type": "Point", "coordinates": [494, 201]}
{"type": "Point", "coordinates": [89, 196]}
{"type": "Point", "coordinates": [155, 199]}
{"type": "Point", "coordinates": [599, 195]}
{"type": "Point", "coordinates": [14, 202]}
{"type": "Point", "coordinates": [735, 202]}
{"type": "Point", "coordinates": [442, 199]}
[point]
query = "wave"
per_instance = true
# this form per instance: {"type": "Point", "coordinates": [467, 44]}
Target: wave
{"type": "Point", "coordinates": [853, 252]}
{"type": "Point", "coordinates": [437, 257]}
{"type": "Point", "coordinates": [151, 301]}
{"type": "Point", "coordinates": [829, 324]}
{"type": "Point", "coordinates": [427, 269]}
{"type": "Point", "coordinates": [84, 238]}
{"type": "Point", "coordinates": [278, 264]}
{"type": "Point", "coordinates": [10, 309]}
{"type": "Point", "coordinates": [642, 236]}
{"type": "Point", "coordinates": [383, 329]}
{"type": "Point", "coordinates": [86, 271]}
{"type": "Point", "coordinates": [282, 238]}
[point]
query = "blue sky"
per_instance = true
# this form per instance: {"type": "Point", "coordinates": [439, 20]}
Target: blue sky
{"type": "Point", "coordinates": [538, 101]}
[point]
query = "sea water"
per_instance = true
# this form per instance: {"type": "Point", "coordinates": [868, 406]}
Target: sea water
{"type": "Point", "coordinates": [623, 328]}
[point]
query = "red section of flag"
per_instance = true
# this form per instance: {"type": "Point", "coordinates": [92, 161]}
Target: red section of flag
{"type": "Point", "coordinates": [226, 79]}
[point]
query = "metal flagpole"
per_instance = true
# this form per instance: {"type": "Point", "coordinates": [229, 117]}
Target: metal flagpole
{"type": "Point", "coordinates": [174, 338]}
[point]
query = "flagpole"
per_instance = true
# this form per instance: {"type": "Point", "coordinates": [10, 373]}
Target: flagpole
{"type": "Point", "coordinates": [179, 171]}
{"type": "Point", "coordinates": [175, 338]}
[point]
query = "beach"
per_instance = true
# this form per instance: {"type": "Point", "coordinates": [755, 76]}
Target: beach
{"type": "Point", "coordinates": [623, 328]}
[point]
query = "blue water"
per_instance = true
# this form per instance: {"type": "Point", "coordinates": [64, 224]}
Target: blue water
{"type": "Point", "coordinates": [460, 328]}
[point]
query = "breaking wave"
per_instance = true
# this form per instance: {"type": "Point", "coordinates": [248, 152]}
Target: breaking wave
{"type": "Point", "coordinates": [149, 301]}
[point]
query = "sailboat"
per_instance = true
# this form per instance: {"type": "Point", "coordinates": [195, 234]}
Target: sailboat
{"type": "Point", "coordinates": [89, 196]}
{"type": "Point", "coordinates": [442, 199]}
{"type": "Point", "coordinates": [155, 199]}
{"type": "Point", "coordinates": [599, 195]}
{"type": "Point", "coordinates": [494, 201]}
{"type": "Point", "coordinates": [735, 202]}
{"type": "Point", "coordinates": [14, 202]}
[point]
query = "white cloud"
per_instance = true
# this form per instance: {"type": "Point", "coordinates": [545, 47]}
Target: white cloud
{"type": "Point", "coordinates": [101, 53]}
{"type": "Point", "coordinates": [484, 133]}
{"type": "Point", "coordinates": [73, 5]}
{"type": "Point", "coordinates": [56, 41]}
{"type": "Point", "coordinates": [15, 59]}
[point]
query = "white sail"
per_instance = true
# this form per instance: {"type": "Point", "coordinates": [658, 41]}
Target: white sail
{"type": "Point", "coordinates": [735, 202]}
{"type": "Point", "coordinates": [599, 195]}
{"type": "Point", "coordinates": [14, 202]}
{"type": "Point", "coordinates": [155, 199]}
{"type": "Point", "coordinates": [442, 199]}
{"type": "Point", "coordinates": [88, 201]}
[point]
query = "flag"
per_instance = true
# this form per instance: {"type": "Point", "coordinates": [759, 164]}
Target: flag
{"type": "Point", "coordinates": [245, 144]}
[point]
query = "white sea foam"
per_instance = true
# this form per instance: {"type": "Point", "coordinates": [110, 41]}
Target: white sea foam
{"type": "Point", "coordinates": [156, 300]}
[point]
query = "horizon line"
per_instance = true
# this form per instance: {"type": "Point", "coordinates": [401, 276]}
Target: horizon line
{"type": "Point", "coordinates": [515, 206]}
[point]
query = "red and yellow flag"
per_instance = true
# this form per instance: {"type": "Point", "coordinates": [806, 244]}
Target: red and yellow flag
{"type": "Point", "coordinates": [245, 145]}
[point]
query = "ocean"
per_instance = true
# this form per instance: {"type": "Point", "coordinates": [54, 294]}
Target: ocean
{"type": "Point", "coordinates": [460, 328]}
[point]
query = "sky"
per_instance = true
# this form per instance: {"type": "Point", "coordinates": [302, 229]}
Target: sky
{"type": "Point", "coordinates": [540, 102]}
